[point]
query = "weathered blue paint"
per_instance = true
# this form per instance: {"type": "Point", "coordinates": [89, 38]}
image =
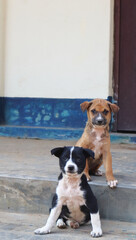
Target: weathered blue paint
{"type": "Point", "coordinates": [41, 132]}
{"type": "Point", "coordinates": [43, 112]}
{"type": "Point", "coordinates": [58, 133]}
{"type": "Point", "coordinates": [123, 138]}
{"type": "Point", "coordinates": [2, 121]}
{"type": "Point", "coordinates": [46, 118]}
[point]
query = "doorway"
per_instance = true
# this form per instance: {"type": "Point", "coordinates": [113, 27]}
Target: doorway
{"type": "Point", "coordinates": [125, 64]}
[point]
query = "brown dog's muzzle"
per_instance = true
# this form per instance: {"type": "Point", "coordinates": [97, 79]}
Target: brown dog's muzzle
{"type": "Point", "coordinates": [99, 120]}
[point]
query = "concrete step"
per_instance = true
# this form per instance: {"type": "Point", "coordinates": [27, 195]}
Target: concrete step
{"type": "Point", "coordinates": [58, 133]}
{"type": "Point", "coordinates": [28, 178]}
{"type": "Point", "coordinates": [35, 196]}
{"type": "Point", "coordinates": [15, 226]}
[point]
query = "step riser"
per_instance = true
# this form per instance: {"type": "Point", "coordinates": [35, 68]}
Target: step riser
{"type": "Point", "coordinates": [116, 204]}
{"type": "Point", "coordinates": [35, 196]}
{"type": "Point", "coordinates": [26, 196]}
{"type": "Point", "coordinates": [57, 133]}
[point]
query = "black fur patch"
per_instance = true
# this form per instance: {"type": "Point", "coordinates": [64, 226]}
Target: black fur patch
{"type": "Point", "coordinates": [54, 200]}
{"type": "Point", "coordinates": [91, 201]}
{"type": "Point", "coordinates": [86, 211]}
{"type": "Point", "coordinates": [65, 213]}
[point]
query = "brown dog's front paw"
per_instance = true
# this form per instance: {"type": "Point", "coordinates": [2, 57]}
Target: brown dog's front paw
{"type": "Point", "coordinates": [113, 183]}
{"type": "Point", "coordinates": [88, 178]}
{"type": "Point", "coordinates": [98, 173]}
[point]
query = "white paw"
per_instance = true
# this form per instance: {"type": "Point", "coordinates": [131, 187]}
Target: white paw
{"type": "Point", "coordinates": [96, 233]}
{"type": "Point", "coordinates": [112, 184]}
{"type": "Point", "coordinates": [60, 223]}
{"type": "Point", "coordinates": [43, 230]}
{"type": "Point", "coordinates": [98, 173]}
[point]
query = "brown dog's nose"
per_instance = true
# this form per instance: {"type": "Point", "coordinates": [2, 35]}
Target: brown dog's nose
{"type": "Point", "coordinates": [100, 121]}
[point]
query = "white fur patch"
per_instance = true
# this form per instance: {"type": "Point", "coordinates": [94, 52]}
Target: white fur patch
{"type": "Point", "coordinates": [99, 117]}
{"type": "Point", "coordinates": [96, 225]}
{"type": "Point", "coordinates": [70, 162]}
{"type": "Point", "coordinates": [98, 143]}
{"type": "Point", "coordinates": [60, 223]}
{"type": "Point", "coordinates": [69, 194]}
{"type": "Point", "coordinates": [113, 183]}
{"type": "Point", "coordinates": [54, 214]}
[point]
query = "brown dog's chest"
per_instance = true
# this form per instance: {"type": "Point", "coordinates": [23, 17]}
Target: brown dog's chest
{"type": "Point", "coordinates": [98, 142]}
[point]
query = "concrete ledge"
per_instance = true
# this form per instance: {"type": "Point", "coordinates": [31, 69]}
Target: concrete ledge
{"type": "Point", "coordinates": [35, 195]}
{"type": "Point", "coordinates": [123, 138]}
{"type": "Point", "coordinates": [41, 132]}
{"type": "Point", "coordinates": [57, 133]}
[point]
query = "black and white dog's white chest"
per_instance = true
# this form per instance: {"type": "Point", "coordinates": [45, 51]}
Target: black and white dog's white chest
{"type": "Point", "coordinates": [72, 198]}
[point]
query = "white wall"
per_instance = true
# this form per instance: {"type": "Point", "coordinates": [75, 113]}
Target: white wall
{"type": "Point", "coordinates": [2, 38]}
{"type": "Point", "coordinates": [58, 48]}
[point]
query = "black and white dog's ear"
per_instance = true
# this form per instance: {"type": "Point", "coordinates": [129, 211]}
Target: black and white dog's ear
{"type": "Point", "coordinates": [57, 151]}
{"type": "Point", "coordinates": [88, 153]}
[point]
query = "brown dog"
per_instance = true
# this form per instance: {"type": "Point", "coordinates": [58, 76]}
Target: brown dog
{"type": "Point", "coordinates": [96, 137]}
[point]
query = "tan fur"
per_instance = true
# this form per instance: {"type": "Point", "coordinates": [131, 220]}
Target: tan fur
{"type": "Point", "coordinates": [97, 138]}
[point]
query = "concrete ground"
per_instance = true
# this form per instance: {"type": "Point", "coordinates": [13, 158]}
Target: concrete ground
{"type": "Point", "coordinates": [28, 158]}
{"type": "Point", "coordinates": [15, 226]}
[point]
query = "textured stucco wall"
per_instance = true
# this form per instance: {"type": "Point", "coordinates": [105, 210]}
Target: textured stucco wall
{"type": "Point", "coordinates": [58, 49]}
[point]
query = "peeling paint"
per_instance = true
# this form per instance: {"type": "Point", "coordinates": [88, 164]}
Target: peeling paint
{"type": "Point", "coordinates": [38, 118]}
{"type": "Point", "coordinates": [57, 115]}
{"type": "Point", "coordinates": [47, 118]}
{"type": "Point", "coordinates": [65, 113]}
{"type": "Point", "coordinates": [42, 112]}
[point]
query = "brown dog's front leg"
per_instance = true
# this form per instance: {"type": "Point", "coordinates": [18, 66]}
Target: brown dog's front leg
{"type": "Point", "coordinates": [86, 171]}
{"type": "Point", "coordinates": [107, 160]}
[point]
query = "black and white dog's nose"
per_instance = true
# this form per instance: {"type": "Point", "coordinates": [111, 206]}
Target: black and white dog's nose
{"type": "Point", "coordinates": [70, 168]}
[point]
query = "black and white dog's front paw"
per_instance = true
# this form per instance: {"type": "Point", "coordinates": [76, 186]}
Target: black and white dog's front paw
{"type": "Point", "coordinates": [60, 223]}
{"type": "Point", "coordinates": [96, 233]}
{"type": "Point", "coordinates": [42, 231]}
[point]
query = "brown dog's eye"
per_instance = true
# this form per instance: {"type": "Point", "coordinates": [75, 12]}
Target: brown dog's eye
{"type": "Point", "coordinates": [93, 111]}
{"type": "Point", "coordinates": [105, 112]}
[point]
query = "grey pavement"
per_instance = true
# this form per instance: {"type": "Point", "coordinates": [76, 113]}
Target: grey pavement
{"type": "Point", "coordinates": [28, 158]}
{"type": "Point", "coordinates": [15, 226]}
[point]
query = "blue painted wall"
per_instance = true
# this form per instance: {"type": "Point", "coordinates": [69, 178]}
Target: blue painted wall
{"type": "Point", "coordinates": [42, 118]}
{"type": "Point", "coordinates": [42, 112]}
{"type": "Point", "coordinates": [2, 121]}
{"type": "Point", "coordinates": [47, 119]}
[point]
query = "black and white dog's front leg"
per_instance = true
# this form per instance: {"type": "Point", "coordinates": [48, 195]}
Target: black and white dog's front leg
{"type": "Point", "coordinates": [96, 225]}
{"type": "Point", "coordinates": [54, 214]}
{"type": "Point", "coordinates": [91, 203]}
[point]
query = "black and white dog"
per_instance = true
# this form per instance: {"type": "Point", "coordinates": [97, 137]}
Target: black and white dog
{"type": "Point", "coordinates": [73, 203]}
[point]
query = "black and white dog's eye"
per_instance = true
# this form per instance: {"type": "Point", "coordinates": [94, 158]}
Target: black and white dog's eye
{"type": "Point", "coordinates": [78, 159]}
{"type": "Point", "coordinates": [65, 159]}
{"type": "Point", "coordinates": [93, 111]}
{"type": "Point", "coordinates": [105, 112]}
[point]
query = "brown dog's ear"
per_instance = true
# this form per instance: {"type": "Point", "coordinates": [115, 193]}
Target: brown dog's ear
{"type": "Point", "coordinates": [85, 105]}
{"type": "Point", "coordinates": [114, 108]}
